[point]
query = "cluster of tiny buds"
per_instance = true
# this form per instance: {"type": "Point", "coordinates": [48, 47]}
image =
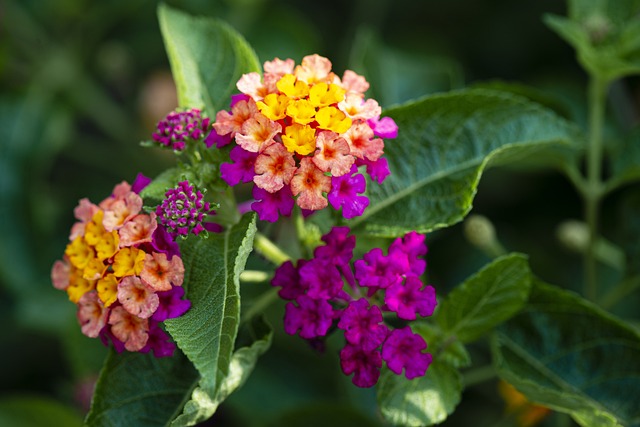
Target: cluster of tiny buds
{"type": "Point", "coordinates": [179, 127]}
{"type": "Point", "coordinates": [183, 210]}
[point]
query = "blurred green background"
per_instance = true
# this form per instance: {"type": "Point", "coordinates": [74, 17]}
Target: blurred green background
{"type": "Point", "coordinates": [84, 81]}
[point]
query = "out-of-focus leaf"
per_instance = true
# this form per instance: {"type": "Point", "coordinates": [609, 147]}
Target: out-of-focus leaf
{"type": "Point", "coordinates": [207, 332]}
{"type": "Point", "coordinates": [140, 389]}
{"type": "Point", "coordinates": [207, 58]}
{"type": "Point", "coordinates": [322, 415]}
{"type": "Point", "coordinates": [444, 144]}
{"type": "Point", "coordinates": [563, 352]}
{"type": "Point", "coordinates": [605, 34]}
{"type": "Point", "coordinates": [422, 401]}
{"type": "Point", "coordinates": [36, 411]}
{"type": "Point", "coordinates": [486, 299]}
{"type": "Point", "coordinates": [625, 162]}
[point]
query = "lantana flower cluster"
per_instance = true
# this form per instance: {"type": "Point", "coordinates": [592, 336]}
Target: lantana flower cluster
{"type": "Point", "coordinates": [124, 272]}
{"type": "Point", "coordinates": [301, 133]}
{"type": "Point", "coordinates": [332, 290]}
{"type": "Point", "coordinates": [178, 128]}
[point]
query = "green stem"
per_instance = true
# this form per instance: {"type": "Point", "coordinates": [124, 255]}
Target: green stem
{"type": "Point", "coordinates": [478, 375]}
{"type": "Point", "coordinates": [269, 250]}
{"type": "Point", "coordinates": [253, 276]}
{"type": "Point", "coordinates": [593, 194]}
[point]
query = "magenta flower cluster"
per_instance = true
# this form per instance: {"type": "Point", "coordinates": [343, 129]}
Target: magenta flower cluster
{"type": "Point", "coordinates": [180, 127]}
{"type": "Point", "coordinates": [331, 290]}
{"type": "Point", "coordinates": [184, 211]}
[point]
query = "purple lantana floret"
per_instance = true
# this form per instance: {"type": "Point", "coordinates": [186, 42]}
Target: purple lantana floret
{"type": "Point", "coordinates": [363, 325]}
{"type": "Point", "coordinates": [270, 206]}
{"type": "Point", "coordinates": [365, 365]}
{"type": "Point", "coordinates": [345, 192]}
{"type": "Point", "coordinates": [312, 317]}
{"type": "Point", "coordinates": [241, 170]}
{"type": "Point", "coordinates": [410, 298]}
{"type": "Point", "coordinates": [403, 350]}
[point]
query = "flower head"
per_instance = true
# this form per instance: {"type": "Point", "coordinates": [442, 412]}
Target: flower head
{"type": "Point", "coordinates": [323, 123]}
{"type": "Point", "coordinates": [124, 272]}
{"type": "Point", "coordinates": [325, 295]}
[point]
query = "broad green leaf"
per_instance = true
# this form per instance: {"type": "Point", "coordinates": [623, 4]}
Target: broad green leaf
{"type": "Point", "coordinates": [564, 352]}
{"type": "Point", "coordinates": [449, 349]}
{"type": "Point", "coordinates": [423, 401]}
{"type": "Point", "coordinates": [202, 406]}
{"type": "Point", "coordinates": [207, 332]}
{"type": "Point", "coordinates": [207, 58]}
{"type": "Point", "coordinates": [136, 389]}
{"type": "Point", "coordinates": [444, 144]}
{"type": "Point", "coordinates": [36, 411]}
{"type": "Point", "coordinates": [486, 299]}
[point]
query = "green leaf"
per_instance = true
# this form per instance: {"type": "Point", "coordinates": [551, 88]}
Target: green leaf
{"type": "Point", "coordinates": [207, 332]}
{"type": "Point", "coordinates": [445, 348]}
{"type": "Point", "coordinates": [486, 299]}
{"type": "Point", "coordinates": [243, 361]}
{"type": "Point", "coordinates": [605, 34]}
{"type": "Point", "coordinates": [36, 411]}
{"type": "Point", "coordinates": [444, 144]}
{"type": "Point", "coordinates": [207, 58]}
{"type": "Point", "coordinates": [564, 352]}
{"type": "Point", "coordinates": [140, 389]}
{"type": "Point", "coordinates": [422, 401]}
{"type": "Point", "coordinates": [157, 188]}
{"type": "Point", "coordinates": [625, 162]}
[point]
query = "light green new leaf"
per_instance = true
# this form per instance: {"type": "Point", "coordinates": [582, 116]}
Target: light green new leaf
{"type": "Point", "coordinates": [167, 179]}
{"type": "Point", "coordinates": [486, 299]}
{"type": "Point", "coordinates": [444, 143]}
{"type": "Point", "coordinates": [36, 411]}
{"type": "Point", "coordinates": [202, 406]}
{"type": "Point", "coordinates": [604, 33]}
{"type": "Point", "coordinates": [140, 389]}
{"type": "Point", "coordinates": [207, 58]}
{"type": "Point", "coordinates": [207, 332]}
{"type": "Point", "coordinates": [564, 352]}
{"type": "Point", "coordinates": [422, 401]}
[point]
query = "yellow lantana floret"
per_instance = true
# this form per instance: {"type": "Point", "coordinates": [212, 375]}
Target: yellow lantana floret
{"type": "Point", "coordinates": [301, 111]}
{"type": "Point", "coordinates": [274, 106]}
{"type": "Point", "coordinates": [330, 118]}
{"type": "Point", "coordinates": [94, 270]}
{"type": "Point", "coordinates": [292, 87]}
{"type": "Point", "coordinates": [80, 253]}
{"type": "Point", "coordinates": [107, 288]}
{"type": "Point", "coordinates": [94, 229]}
{"type": "Point", "coordinates": [299, 139]}
{"type": "Point", "coordinates": [79, 286]}
{"type": "Point", "coordinates": [128, 262]}
{"type": "Point", "coordinates": [108, 245]}
{"type": "Point", "coordinates": [323, 94]}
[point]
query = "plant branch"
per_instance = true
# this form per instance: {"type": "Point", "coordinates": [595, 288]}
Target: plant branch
{"type": "Point", "coordinates": [269, 250]}
{"type": "Point", "coordinates": [597, 96]}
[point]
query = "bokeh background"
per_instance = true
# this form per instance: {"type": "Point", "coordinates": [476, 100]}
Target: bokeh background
{"type": "Point", "coordinates": [83, 82]}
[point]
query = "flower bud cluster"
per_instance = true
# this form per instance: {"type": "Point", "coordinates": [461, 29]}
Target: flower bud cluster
{"type": "Point", "coordinates": [184, 210]}
{"type": "Point", "coordinates": [332, 290]}
{"type": "Point", "coordinates": [179, 127]}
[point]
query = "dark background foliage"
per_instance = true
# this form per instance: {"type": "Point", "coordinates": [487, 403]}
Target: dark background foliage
{"type": "Point", "coordinates": [83, 82]}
